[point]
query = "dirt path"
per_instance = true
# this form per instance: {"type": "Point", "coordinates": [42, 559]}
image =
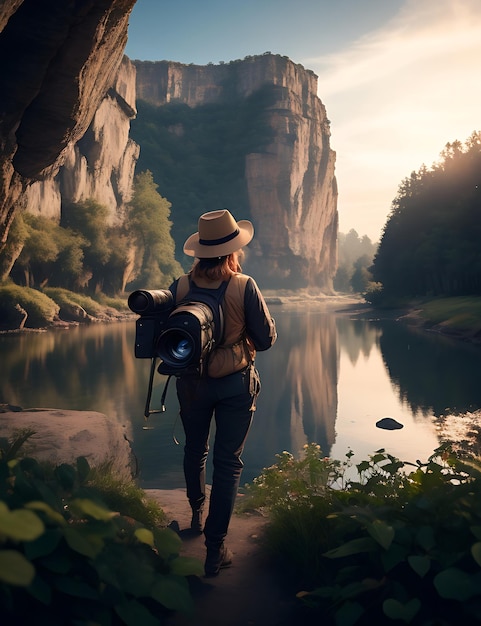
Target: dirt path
{"type": "Point", "coordinates": [245, 594]}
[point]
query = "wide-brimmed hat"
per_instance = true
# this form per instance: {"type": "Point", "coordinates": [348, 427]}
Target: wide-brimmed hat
{"type": "Point", "coordinates": [218, 235]}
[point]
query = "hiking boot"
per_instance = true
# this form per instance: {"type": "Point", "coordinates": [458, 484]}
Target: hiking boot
{"type": "Point", "coordinates": [196, 525]}
{"type": "Point", "coordinates": [216, 559]}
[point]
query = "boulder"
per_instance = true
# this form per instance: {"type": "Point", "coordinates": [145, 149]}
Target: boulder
{"type": "Point", "coordinates": [61, 436]}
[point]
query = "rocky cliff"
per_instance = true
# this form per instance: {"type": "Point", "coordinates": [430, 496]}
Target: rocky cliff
{"type": "Point", "coordinates": [291, 184]}
{"type": "Point", "coordinates": [101, 165]}
{"type": "Point", "coordinates": [59, 61]}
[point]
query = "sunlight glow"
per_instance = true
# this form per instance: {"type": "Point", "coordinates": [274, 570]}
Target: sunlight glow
{"type": "Point", "coordinates": [396, 97]}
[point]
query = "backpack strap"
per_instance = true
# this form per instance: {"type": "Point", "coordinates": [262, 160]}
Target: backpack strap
{"type": "Point", "coordinates": [213, 298]}
{"type": "Point", "coordinates": [183, 286]}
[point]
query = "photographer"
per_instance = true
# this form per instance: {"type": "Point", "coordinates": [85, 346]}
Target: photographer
{"type": "Point", "coordinates": [230, 387]}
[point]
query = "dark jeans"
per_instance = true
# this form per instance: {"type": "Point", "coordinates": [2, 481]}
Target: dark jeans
{"type": "Point", "coordinates": [231, 401]}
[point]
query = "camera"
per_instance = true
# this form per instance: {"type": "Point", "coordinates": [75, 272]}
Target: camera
{"type": "Point", "coordinates": [154, 308]}
{"type": "Point", "coordinates": [180, 335]}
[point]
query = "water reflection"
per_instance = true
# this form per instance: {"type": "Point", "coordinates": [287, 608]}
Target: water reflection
{"type": "Point", "coordinates": [433, 374]}
{"type": "Point", "coordinates": [328, 379]}
{"type": "Point", "coordinates": [357, 337]}
{"type": "Point", "coordinates": [438, 376]}
{"type": "Point", "coordinates": [84, 368]}
{"type": "Point", "coordinates": [299, 374]}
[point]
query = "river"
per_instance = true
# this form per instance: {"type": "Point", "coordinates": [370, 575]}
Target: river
{"type": "Point", "coordinates": [329, 379]}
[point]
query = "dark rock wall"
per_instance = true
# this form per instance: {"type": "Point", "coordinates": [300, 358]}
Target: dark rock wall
{"type": "Point", "coordinates": [59, 59]}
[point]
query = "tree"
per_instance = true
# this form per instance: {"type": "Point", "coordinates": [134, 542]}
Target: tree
{"type": "Point", "coordinates": [361, 276]}
{"type": "Point", "coordinates": [50, 254]}
{"type": "Point", "coordinates": [149, 224]}
{"type": "Point", "coordinates": [351, 249]}
{"type": "Point", "coordinates": [17, 236]}
{"type": "Point", "coordinates": [430, 243]}
{"type": "Point", "coordinates": [121, 261]}
{"type": "Point", "coordinates": [89, 219]}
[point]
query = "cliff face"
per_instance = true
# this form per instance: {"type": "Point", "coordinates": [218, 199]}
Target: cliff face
{"type": "Point", "coordinates": [60, 60]}
{"type": "Point", "coordinates": [291, 184]}
{"type": "Point", "coordinates": [101, 165]}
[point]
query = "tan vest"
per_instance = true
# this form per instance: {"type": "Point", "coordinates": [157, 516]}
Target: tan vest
{"type": "Point", "coordinates": [236, 350]}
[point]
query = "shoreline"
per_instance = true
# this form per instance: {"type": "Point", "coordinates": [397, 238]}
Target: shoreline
{"type": "Point", "coordinates": [343, 304]}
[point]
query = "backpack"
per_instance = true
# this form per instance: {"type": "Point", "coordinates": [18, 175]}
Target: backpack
{"type": "Point", "coordinates": [196, 320]}
{"type": "Point", "coordinates": [193, 329]}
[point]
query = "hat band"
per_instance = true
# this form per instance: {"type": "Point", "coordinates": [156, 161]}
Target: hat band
{"type": "Point", "coordinates": [216, 242]}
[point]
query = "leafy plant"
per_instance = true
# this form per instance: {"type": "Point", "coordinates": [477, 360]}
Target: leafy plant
{"type": "Point", "coordinates": [125, 496]}
{"type": "Point", "coordinates": [66, 557]}
{"type": "Point", "coordinates": [388, 545]}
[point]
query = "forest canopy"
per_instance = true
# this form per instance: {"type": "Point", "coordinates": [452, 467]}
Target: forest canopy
{"type": "Point", "coordinates": [431, 241]}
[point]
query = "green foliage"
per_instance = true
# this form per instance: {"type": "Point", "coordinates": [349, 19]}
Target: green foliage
{"type": "Point", "coordinates": [361, 277]}
{"type": "Point", "coordinates": [430, 244]}
{"type": "Point", "coordinates": [462, 313]}
{"type": "Point", "coordinates": [66, 557]}
{"type": "Point", "coordinates": [89, 219]}
{"type": "Point", "coordinates": [355, 255]}
{"type": "Point", "coordinates": [66, 299]}
{"type": "Point", "coordinates": [85, 253]}
{"type": "Point", "coordinates": [125, 496]}
{"type": "Point", "coordinates": [118, 303]}
{"type": "Point", "coordinates": [49, 253]}
{"type": "Point", "coordinates": [46, 306]}
{"type": "Point", "coordinates": [17, 236]}
{"type": "Point", "coordinates": [197, 155]}
{"type": "Point", "coordinates": [40, 308]}
{"type": "Point", "coordinates": [149, 224]}
{"type": "Point", "coordinates": [387, 545]}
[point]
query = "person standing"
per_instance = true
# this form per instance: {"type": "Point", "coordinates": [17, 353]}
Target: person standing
{"type": "Point", "coordinates": [228, 391]}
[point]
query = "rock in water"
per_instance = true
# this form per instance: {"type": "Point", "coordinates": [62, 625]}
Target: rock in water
{"type": "Point", "coordinates": [388, 423]}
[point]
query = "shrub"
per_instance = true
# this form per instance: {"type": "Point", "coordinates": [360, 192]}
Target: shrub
{"type": "Point", "coordinates": [41, 310]}
{"type": "Point", "coordinates": [67, 558]}
{"type": "Point", "coordinates": [67, 299]}
{"type": "Point", "coordinates": [118, 303]}
{"type": "Point", "coordinates": [391, 546]}
{"type": "Point", "coordinates": [125, 496]}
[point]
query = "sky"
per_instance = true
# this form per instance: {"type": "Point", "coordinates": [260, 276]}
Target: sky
{"type": "Point", "coordinates": [399, 78]}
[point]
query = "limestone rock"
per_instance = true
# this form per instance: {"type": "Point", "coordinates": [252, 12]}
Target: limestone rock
{"type": "Point", "coordinates": [101, 165]}
{"type": "Point", "coordinates": [58, 62]}
{"type": "Point", "coordinates": [291, 185]}
{"type": "Point", "coordinates": [63, 435]}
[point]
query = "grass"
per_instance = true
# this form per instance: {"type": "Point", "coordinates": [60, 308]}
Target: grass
{"type": "Point", "coordinates": [64, 297]}
{"type": "Point", "coordinates": [125, 496]}
{"type": "Point", "coordinates": [460, 313]}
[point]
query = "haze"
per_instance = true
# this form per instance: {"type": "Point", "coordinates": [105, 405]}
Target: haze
{"type": "Point", "coordinates": [399, 78]}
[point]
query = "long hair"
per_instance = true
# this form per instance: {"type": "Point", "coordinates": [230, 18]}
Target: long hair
{"type": "Point", "coordinates": [218, 268]}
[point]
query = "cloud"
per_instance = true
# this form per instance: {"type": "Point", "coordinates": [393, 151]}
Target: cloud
{"type": "Point", "coordinates": [424, 34]}
{"type": "Point", "coordinates": [395, 97]}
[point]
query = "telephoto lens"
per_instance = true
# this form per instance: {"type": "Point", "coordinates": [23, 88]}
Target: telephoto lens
{"type": "Point", "coordinates": [176, 348]}
{"type": "Point", "coordinates": [144, 301]}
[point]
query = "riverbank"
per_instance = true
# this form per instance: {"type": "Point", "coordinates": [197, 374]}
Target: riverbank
{"type": "Point", "coordinates": [459, 317]}
{"type": "Point", "coordinates": [456, 317]}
